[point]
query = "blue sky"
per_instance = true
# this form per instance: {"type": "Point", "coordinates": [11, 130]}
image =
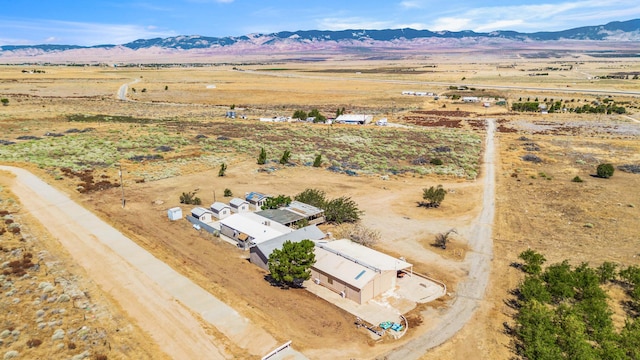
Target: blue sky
{"type": "Point", "coordinates": [73, 22]}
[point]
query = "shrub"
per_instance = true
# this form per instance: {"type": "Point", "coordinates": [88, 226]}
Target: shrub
{"type": "Point", "coordinates": [190, 198]}
{"type": "Point", "coordinates": [317, 162]}
{"type": "Point", "coordinates": [262, 157]}
{"type": "Point", "coordinates": [605, 171]}
{"type": "Point", "coordinates": [227, 192]}
{"type": "Point", "coordinates": [532, 158]}
{"type": "Point", "coordinates": [436, 161]}
{"type": "Point", "coordinates": [577, 179]}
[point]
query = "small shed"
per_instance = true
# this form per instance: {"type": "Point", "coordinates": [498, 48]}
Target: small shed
{"type": "Point", "coordinates": [220, 210]}
{"type": "Point", "coordinates": [174, 213]}
{"type": "Point", "coordinates": [239, 205]}
{"type": "Point", "coordinates": [202, 214]}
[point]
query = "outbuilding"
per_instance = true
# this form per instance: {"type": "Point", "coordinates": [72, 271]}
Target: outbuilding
{"type": "Point", "coordinates": [239, 205]}
{"type": "Point", "coordinates": [174, 213]}
{"type": "Point", "coordinates": [354, 119]}
{"type": "Point", "coordinates": [220, 210]}
{"type": "Point", "coordinates": [202, 214]}
{"type": "Point", "coordinates": [313, 214]}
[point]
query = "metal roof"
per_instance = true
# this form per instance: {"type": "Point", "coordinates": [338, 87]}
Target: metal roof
{"type": "Point", "coordinates": [303, 209]}
{"type": "Point", "coordinates": [342, 268]}
{"type": "Point", "coordinates": [280, 216]}
{"type": "Point", "coordinates": [255, 226]}
{"type": "Point", "coordinates": [310, 232]}
{"type": "Point", "coordinates": [365, 255]}
{"type": "Point", "coordinates": [199, 211]}
{"type": "Point", "coordinates": [217, 206]}
{"type": "Point", "coordinates": [237, 202]}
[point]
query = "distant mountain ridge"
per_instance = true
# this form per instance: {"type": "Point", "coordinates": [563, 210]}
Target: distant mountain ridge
{"type": "Point", "coordinates": [613, 31]}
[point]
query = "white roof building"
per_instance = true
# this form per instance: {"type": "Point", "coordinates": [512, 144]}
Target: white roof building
{"type": "Point", "coordinates": [251, 229]}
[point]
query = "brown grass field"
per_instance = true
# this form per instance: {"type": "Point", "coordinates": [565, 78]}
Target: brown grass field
{"type": "Point", "coordinates": [537, 204]}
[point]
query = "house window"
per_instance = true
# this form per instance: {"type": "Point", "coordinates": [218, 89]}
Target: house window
{"type": "Point", "coordinates": [330, 281]}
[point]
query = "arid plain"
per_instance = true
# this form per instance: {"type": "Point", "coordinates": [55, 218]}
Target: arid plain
{"type": "Point", "coordinates": [67, 125]}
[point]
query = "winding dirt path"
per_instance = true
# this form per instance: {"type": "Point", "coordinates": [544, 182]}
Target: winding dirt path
{"type": "Point", "coordinates": [471, 291]}
{"type": "Point", "coordinates": [164, 303]}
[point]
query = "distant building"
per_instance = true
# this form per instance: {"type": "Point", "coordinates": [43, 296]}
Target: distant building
{"type": "Point", "coordinates": [354, 119]}
{"type": "Point", "coordinates": [256, 199]}
{"type": "Point", "coordinates": [202, 214]}
{"type": "Point", "coordinates": [470, 99]}
{"type": "Point", "coordinates": [220, 210]}
{"type": "Point", "coordinates": [174, 213]}
{"type": "Point", "coordinates": [259, 254]}
{"type": "Point", "coordinates": [238, 205]}
{"type": "Point", "coordinates": [249, 229]}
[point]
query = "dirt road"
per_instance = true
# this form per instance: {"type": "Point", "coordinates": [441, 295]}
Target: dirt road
{"type": "Point", "coordinates": [159, 299]}
{"type": "Point", "coordinates": [122, 91]}
{"type": "Point", "coordinates": [471, 291]}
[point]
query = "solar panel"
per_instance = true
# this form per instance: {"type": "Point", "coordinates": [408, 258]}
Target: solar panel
{"type": "Point", "coordinates": [361, 273]}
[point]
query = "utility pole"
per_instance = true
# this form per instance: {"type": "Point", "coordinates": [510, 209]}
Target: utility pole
{"type": "Point", "coordinates": [121, 183]}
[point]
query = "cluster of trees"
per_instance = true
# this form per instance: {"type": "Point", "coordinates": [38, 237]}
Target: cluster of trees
{"type": "Point", "coordinates": [314, 113]}
{"type": "Point", "coordinates": [609, 107]}
{"type": "Point", "coordinates": [276, 202]}
{"type": "Point", "coordinates": [563, 311]}
{"type": "Point", "coordinates": [337, 211]}
{"type": "Point", "coordinates": [190, 198]}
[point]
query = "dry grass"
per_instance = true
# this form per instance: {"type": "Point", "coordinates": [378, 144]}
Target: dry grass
{"type": "Point", "coordinates": [537, 204]}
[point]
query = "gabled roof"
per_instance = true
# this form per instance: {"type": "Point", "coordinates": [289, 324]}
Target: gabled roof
{"type": "Point", "coordinates": [217, 207]}
{"type": "Point", "coordinates": [199, 211]}
{"type": "Point", "coordinates": [237, 202]}
{"type": "Point", "coordinates": [310, 232]}
{"type": "Point", "coordinates": [303, 209]}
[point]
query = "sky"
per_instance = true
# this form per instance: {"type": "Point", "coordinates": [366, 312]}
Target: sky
{"type": "Point", "coordinates": [99, 22]}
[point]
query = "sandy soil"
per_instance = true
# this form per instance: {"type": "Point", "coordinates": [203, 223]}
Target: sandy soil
{"type": "Point", "coordinates": [547, 213]}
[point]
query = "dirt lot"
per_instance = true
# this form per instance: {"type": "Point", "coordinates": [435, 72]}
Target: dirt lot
{"type": "Point", "coordinates": [537, 205]}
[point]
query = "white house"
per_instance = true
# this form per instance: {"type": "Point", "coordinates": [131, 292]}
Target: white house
{"type": "Point", "coordinates": [354, 271]}
{"type": "Point", "coordinates": [470, 99]}
{"type": "Point", "coordinates": [249, 229]}
{"type": "Point", "coordinates": [256, 199]}
{"type": "Point", "coordinates": [239, 205]}
{"type": "Point", "coordinates": [220, 210]}
{"type": "Point", "coordinates": [202, 214]}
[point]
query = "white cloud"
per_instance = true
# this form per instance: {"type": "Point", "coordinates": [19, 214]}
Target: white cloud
{"type": "Point", "coordinates": [76, 33]}
{"type": "Point", "coordinates": [536, 17]}
{"type": "Point", "coordinates": [351, 23]}
{"type": "Point", "coordinates": [411, 4]}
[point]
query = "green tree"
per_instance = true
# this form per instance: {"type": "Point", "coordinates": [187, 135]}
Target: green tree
{"type": "Point", "coordinates": [300, 115]}
{"type": "Point", "coordinates": [532, 261]}
{"type": "Point", "coordinates": [605, 171]}
{"type": "Point", "coordinates": [533, 288]}
{"type": "Point", "coordinates": [434, 196]}
{"type": "Point", "coordinates": [317, 162]}
{"type": "Point", "coordinates": [276, 202]}
{"type": "Point", "coordinates": [227, 192]}
{"type": "Point", "coordinates": [560, 281]}
{"type": "Point", "coordinates": [223, 169]}
{"type": "Point", "coordinates": [262, 157]}
{"type": "Point", "coordinates": [286, 155]}
{"type": "Point", "coordinates": [4, 101]}
{"type": "Point", "coordinates": [166, 87]}
{"type": "Point", "coordinates": [342, 210]}
{"type": "Point", "coordinates": [313, 197]}
{"type": "Point", "coordinates": [537, 331]}
{"type": "Point", "coordinates": [291, 265]}
{"type": "Point", "coordinates": [607, 272]}
{"type": "Point", "coordinates": [318, 117]}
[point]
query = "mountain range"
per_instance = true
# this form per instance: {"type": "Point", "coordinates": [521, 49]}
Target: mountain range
{"type": "Point", "coordinates": [358, 40]}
